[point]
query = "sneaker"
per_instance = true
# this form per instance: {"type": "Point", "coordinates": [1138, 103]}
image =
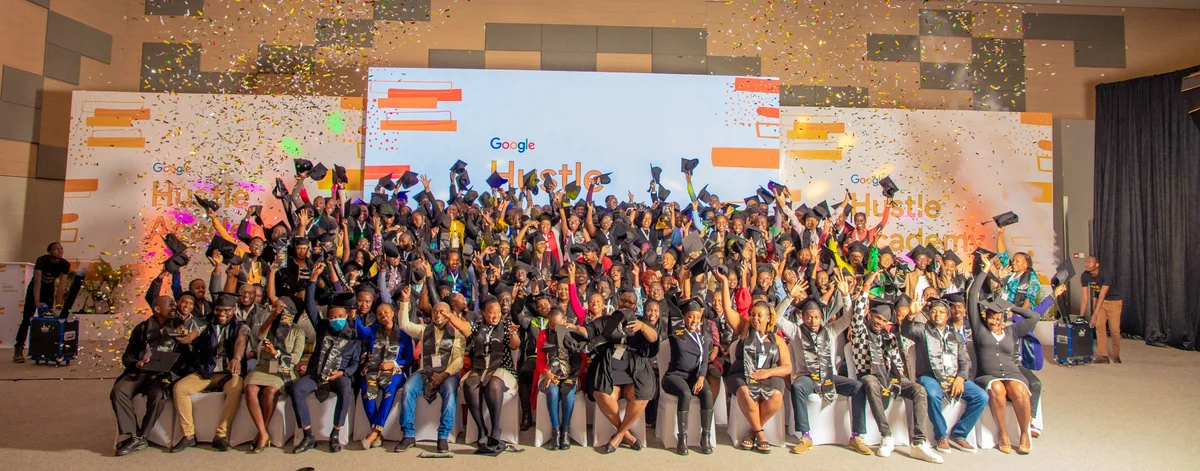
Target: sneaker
{"type": "Point", "coordinates": [1100, 360]}
{"type": "Point", "coordinates": [943, 446]}
{"type": "Point", "coordinates": [220, 444]}
{"type": "Point", "coordinates": [924, 452]}
{"type": "Point", "coordinates": [183, 444]}
{"type": "Point", "coordinates": [19, 355]}
{"type": "Point", "coordinates": [856, 444]}
{"type": "Point", "coordinates": [804, 445]}
{"type": "Point", "coordinates": [407, 443]}
{"type": "Point", "coordinates": [963, 445]}
{"type": "Point", "coordinates": [443, 445]}
{"type": "Point", "coordinates": [885, 448]}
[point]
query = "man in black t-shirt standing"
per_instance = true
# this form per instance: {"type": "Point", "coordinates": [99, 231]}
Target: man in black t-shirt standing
{"type": "Point", "coordinates": [47, 270]}
{"type": "Point", "coordinates": [1106, 312]}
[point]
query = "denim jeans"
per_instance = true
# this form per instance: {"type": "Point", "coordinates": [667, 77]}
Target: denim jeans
{"type": "Point", "coordinates": [973, 396]}
{"type": "Point", "coordinates": [414, 390]}
{"type": "Point", "coordinates": [844, 387]}
{"type": "Point", "coordinates": [559, 406]}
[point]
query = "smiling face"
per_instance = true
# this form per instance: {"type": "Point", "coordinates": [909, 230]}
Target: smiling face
{"type": "Point", "coordinates": [760, 317]}
{"type": "Point", "coordinates": [653, 311]}
{"type": "Point", "coordinates": [185, 305]}
{"type": "Point", "coordinates": [441, 314]}
{"type": "Point", "coordinates": [384, 315]}
{"type": "Point", "coordinates": [596, 304]}
{"type": "Point", "coordinates": [491, 313]}
{"type": "Point", "coordinates": [1020, 262]}
{"type": "Point", "coordinates": [939, 315]}
{"type": "Point", "coordinates": [246, 295]}
{"type": "Point", "coordinates": [691, 320]}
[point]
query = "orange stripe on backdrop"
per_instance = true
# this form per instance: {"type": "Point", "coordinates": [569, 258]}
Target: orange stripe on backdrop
{"type": "Point", "coordinates": [81, 185]}
{"type": "Point", "coordinates": [441, 94]}
{"type": "Point", "coordinates": [815, 134]}
{"type": "Point", "coordinates": [831, 128]}
{"type": "Point", "coordinates": [745, 157]}
{"type": "Point", "coordinates": [449, 125]}
{"type": "Point", "coordinates": [405, 102]}
{"type": "Point", "coordinates": [768, 112]}
{"type": "Point", "coordinates": [115, 121]}
{"type": "Point", "coordinates": [816, 154]}
{"type": "Point", "coordinates": [757, 85]}
{"type": "Point", "coordinates": [68, 218]}
{"type": "Point", "coordinates": [352, 174]}
{"type": "Point", "coordinates": [116, 142]}
{"type": "Point", "coordinates": [1046, 145]}
{"type": "Point", "coordinates": [142, 113]}
{"type": "Point", "coordinates": [353, 103]}
{"type": "Point", "coordinates": [1043, 192]}
{"type": "Point", "coordinates": [1037, 119]}
{"type": "Point", "coordinates": [373, 173]}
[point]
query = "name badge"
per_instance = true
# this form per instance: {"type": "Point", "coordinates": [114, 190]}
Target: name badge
{"type": "Point", "coordinates": [436, 361]}
{"type": "Point", "coordinates": [948, 360]}
{"type": "Point", "coordinates": [618, 353]}
{"type": "Point", "coordinates": [220, 367]}
{"type": "Point", "coordinates": [273, 367]}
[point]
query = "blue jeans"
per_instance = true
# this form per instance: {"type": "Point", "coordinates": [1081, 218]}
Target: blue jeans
{"type": "Point", "coordinates": [414, 390]}
{"type": "Point", "coordinates": [377, 411]}
{"type": "Point", "coordinates": [559, 406]}
{"type": "Point", "coordinates": [803, 386]}
{"type": "Point", "coordinates": [973, 396]}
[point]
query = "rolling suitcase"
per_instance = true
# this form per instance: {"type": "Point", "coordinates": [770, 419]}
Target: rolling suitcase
{"type": "Point", "coordinates": [53, 339]}
{"type": "Point", "coordinates": [1073, 343]}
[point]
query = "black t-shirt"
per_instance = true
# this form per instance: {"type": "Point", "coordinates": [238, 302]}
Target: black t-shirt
{"type": "Point", "coordinates": [50, 272]}
{"type": "Point", "coordinates": [1094, 283]}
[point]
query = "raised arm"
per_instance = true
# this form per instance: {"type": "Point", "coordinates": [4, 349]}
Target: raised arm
{"type": "Point", "coordinates": [973, 299]}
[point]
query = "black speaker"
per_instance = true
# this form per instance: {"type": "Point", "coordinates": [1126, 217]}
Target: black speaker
{"type": "Point", "coordinates": [1191, 96]}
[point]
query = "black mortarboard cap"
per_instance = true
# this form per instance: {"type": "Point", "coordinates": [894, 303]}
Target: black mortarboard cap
{"type": "Point", "coordinates": [703, 196]}
{"type": "Point", "coordinates": [463, 180]}
{"type": "Point", "coordinates": [422, 194]}
{"type": "Point", "coordinates": [343, 299]}
{"type": "Point", "coordinates": [485, 200]}
{"type": "Point", "coordinates": [571, 190]}
{"type": "Point", "coordinates": [886, 250]}
{"type": "Point", "coordinates": [223, 299]}
{"type": "Point", "coordinates": [386, 183]}
{"type": "Point", "coordinates": [655, 173]}
{"type": "Point", "coordinates": [495, 180]}
{"type": "Point", "coordinates": [889, 187]}
{"type": "Point", "coordinates": [175, 262]}
{"type": "Point", "coordinates": [444, 220]}
{"type": "Point", "coordinates": [950, 255]}
{"type": "Point", "coordinates": [822, 210]}
{"type": "Point", "coordinates": [882, 307]}
{"type": "Point", "coordinates": [458, 167]}
{"type": "Point", "coordinates": [1063, 274]}
{"type": "Point", "coordinates": [766, 196]}
{"type": "Point", "coordinates": [390, 249]}
{"type": "Point", "coordinates": [918, 250]}
{"type": "Point", "coordinates": [692, 305]}
{"type": "Point", "coordinates": [750, 198]}
{"type": "Point", "coordinates": [408, 179]}
{"type": "Point", "coordinates": [318, 172]}
{"type": "Point", "coordinates": [692, 243]}
{"type": "Point", "coordinates": [955, 298]}
{"type": "Point", "coordinates": [1007, 219]}
{"type": "Point", "coordinates": [530, 181]}
{"type": "Point", "coordinates": [604, 178]}
{"type": "Point", "coordinates": [688, 165]}
{"type": "Point", "coordinates": [174, 244]}
{"type": "Point", "coordinates": [280, 191]}
{"type": "Point", "coordinates": [805, 211]}
{"type": "Point", "coordinates": [859, 247]}
{"type": "Point", "coordinates": [771, 185]}
{"type": "Point", "coordinates": [353, 211]}
{"type": "Point", "coordinates": [378, 200]}
{"type": "Point", "coordinates": [339, 175]}
{"type": "Point", "coordinates": [387, 209]}
{"type": "Point", "coordinates": [703, 264]}
{"type": "Point", "coordinates": [207, 203]}
{"type": "Point", "coordinates": [737, 244]}
{"type": "Point", "coordinates": [663, 193]}
{"type": "Point", "coordinates": [223, 245]}
{"type": "Point", "coordinates": [470, 197]}
{"type": "Point", "coordinates": [302, 165]}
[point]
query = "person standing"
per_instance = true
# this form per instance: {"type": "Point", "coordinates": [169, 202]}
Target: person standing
{"type": "Point", "coordinates": [47, 269]}
{"type": "Point", "coordinates": [1106, 310]}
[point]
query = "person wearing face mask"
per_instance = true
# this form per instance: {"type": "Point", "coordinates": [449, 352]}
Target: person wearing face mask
{"type": "Point", "coordinates": [280, 347]}
{"type": "Point", "coordinates": [812, 344]}
{"type": "Point", "coordinates": [150, 335]}
{"type": "Point", "coordinates": [692, 348]}
{"type": "Point", "coordinates": [441, 360]}
{"type": "Point", "coordinates": [559, 360]}
{"type": "Point", "coordinates": [880, 368]}
{"type": "Point", "coordinates": [333, 361]}
{"type": "Point", "coordinates": [492, 372]}
{"type": "Point", "coordinates": [942, 363]}
{"type": "Point", "coordinates": [385, 370]}
{"type": "Point", "coordinates": [217, 357]}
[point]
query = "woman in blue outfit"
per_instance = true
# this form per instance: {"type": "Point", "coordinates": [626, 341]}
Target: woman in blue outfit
{"type": "Point", "coordinates": [387, 367]}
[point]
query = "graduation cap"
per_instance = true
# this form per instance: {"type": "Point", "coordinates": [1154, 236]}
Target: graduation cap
{"type": "Point", "coordinates": [750, 198]}
{"type": "Point", "coordinates": [766, 196]}
{"type": "Point", "coordinates": [387, 209]}
{"type": "Point", "coordinates": [386, 183]}
{"type": "Point", "coordinates": [886, 250]}
{"type": "Point", "coordinates": [339, 175]}
{"type": "Point", "coordinates": [692, 305]}
{"type": "Point", "coordinates": [485, 200]}
{"type": "Point", "coordinates": [318, 172]}
{"type": "Point", "coordinates": [470, 197]}
{"type": "Point", "coordinates": [663, 193]}
{"type": "Point", "coordinates": [955, 298]}
{"type": "Point", "coordinates": [444, 220]}
{"type": "Point", "coordinates": [344, 299]}
{"type": "Point", "coordinates": [353, 211]}
{"type": "Point", "coordinates": [422, 195]}
{"type": "Point", "coordinates": [704, 195]}
{"type": "Point", "coordinates": [806, 211]}
{"type": "Point", "coordinates": [703, 264]}
{"type": "Point", "coordinates": [407, 180]}
{"type": "Point", "coordinates": [495, 180]}
{"type": "Point", "coordinates": [390, 249]}
{"type": "Point", "coordinates": [692, 243]}
{"type": "Point", "coordinates": [222, 245]}
{"type": "Point", "coordinates": [1007, 219]}
{"type": "Point", "coordinates": [458, 167]}
{"type": "Point", "coordinates": [950, 255]}
{"type": "Point", "coordinates": [846, 208]}
{"type": "Point", "coordinates": [766, 268]}
{"type": "Point", "coordinates": [571, 190]}
{"type": "Point", "coordinates": [223, 299]}
{"type": "Point", "coordinates": [530, 181]}
{"type": "Point", "coordinates": [535, 237]}
{"type": "Point", "coordinates": [918, 250]}
{"type": "Point", "coordinates": [737, 244]}
{"type": "Point", "coordinates": [688, 165]}
{"type": "Point", "coordinates": [174, 244]}
{"type": "Point", "coordinates": [771, 185]}
{"type": "Point", "coordinates": [207, 204]}
{"type": "Point", "coordinates": [883, 308]}
{"type": "Point", "coordinates": [982, 252]}
{"type": "Point", "coordinates": [378, 200]}
{"type": "Point", "coordinates": [302, 165]}
{"type": "Point", "coordinates": [463, 180]}
{"type": "Point", "coordinates": [175, 262]}
{"type": "Point", "coordinates": [822, 210]}
{"type": "Point", "coordinates": [889, 187]}
{"type": "Point", "coordinates": [655, 173]}
{"type": "Point", "coordinates": [1063, 274]}
{"type": "Point", "coordinates": [280, 191]}
{"type": "Point", "coordinates": [859, 247]}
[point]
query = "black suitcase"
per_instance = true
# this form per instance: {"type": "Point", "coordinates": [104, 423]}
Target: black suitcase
{"type": "Point", "coordinates": [53, 340]}
{"type": "Point", "coordinates": [1073, 343]}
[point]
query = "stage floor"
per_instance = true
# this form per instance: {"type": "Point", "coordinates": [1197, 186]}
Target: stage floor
{"type": "Point", "coordinates": [1139, 415]}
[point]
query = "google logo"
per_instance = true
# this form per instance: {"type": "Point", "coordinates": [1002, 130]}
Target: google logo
{"type": "Point", "coordinates": [519, 146]}
{"type": "Point", "coordinates": [873, 181]}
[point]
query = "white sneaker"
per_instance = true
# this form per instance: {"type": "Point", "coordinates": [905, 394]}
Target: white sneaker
{"type": "Point", "coordinates": [885, 448]}
{"type": "Point", "coordinates": [924, 453]}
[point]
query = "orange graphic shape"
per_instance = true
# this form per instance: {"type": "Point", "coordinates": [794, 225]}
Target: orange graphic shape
{"type": "Point", "coordinates": [816, 154]}
{"type": "Point", "coordinates": [354, 176]}
{"type": "Point", "coordinates": [141, 113]}
{"type": "Point", "coordinates": [1046, 145]}
{"type": "Point", "coordinates": [68, 218]}
{"type": "Point", "coordinates": [353, 103]}
{"type": "Point", "coordinates": [745, 157]}
{"type": "Point", "coordinates": [406, 102]}
{"type": "Point", "coordinates": [81, 185]}
{"type": "Point", "coordinates": [443, 94]}
{"type": "Point", "coordinates": [448, 125]}
{"type": "Point", "coordinates": [817, 134]}
{"type": "Point", "coordinates": [116, 142]}
{"type": "Point", "coordinates": [756, 85]}
{"type": "Point", "coordinates": [1049, 163]}
{"type": "Point", "coordinates": [831, 128]}
{"type": "Point", "coordinates": [1037, 119]}
{"type": "Point", "coordinates": [1043, 192]}
{"type": "Point", "coordinates": [768, 112]}
{"type": "Point", "coordinates": [115, 121]}
{"type": "Point", "coordinates": [375, 172]}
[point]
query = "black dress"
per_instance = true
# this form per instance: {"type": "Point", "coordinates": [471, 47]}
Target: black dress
{"type": "Point", "coordinates": [620, 358]}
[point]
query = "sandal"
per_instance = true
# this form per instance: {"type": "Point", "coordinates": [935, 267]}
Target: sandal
{"type": "Point", "coordinates": [748, 442]}
{"type": "Point", "coordinates": [762, 446]}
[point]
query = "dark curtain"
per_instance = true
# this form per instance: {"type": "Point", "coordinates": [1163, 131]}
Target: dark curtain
{"type": "Point", "coordinates": [1147, 206]}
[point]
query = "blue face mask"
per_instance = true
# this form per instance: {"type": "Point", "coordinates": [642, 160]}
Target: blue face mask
{"type": "Point", "coordinates": [337, 324]}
